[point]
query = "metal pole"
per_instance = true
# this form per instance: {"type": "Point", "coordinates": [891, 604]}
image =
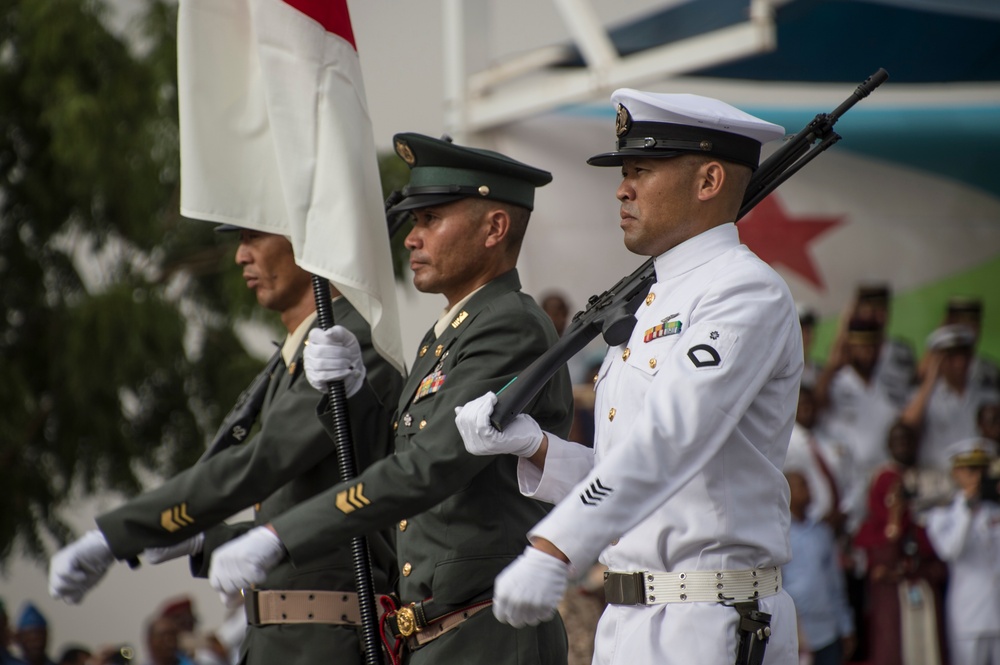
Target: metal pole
{"type": "Point", "coordinates": [347, 467]}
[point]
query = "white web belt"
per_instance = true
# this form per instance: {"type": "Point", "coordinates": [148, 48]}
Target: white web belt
{"type": "Point", "coordinates": [723, 586]}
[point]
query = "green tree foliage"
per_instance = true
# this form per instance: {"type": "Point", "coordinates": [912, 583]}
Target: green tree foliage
{"type": "Point", "coordinates": [116, 341]}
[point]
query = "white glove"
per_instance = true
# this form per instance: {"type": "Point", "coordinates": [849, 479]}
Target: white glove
{"type": "Point", "coordinates": [190, 547]}
{"type": "Point", "coordinates": [522, 437]}
{"type": "Point", "coordinates": [77, 568]}
{"type": "Point", "coordinates": [245, 561]}
{"type": "Point", "coordinates": [528, 591]}
{"type": "Point", "coordinates": [334, 355]}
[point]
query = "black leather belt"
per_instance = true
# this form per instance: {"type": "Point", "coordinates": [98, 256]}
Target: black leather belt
{"type": "Point", "coordinates": [416, 624]}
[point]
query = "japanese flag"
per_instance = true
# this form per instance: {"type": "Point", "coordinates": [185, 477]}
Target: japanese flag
{"type": "Point", "coordinates": [276, 136]}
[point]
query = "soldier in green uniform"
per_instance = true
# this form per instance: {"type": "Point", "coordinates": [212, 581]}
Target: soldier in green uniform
{"type": "Point", "coordinates": [290, 459]}
{"type": "Point", "coordinates": [459, 519]}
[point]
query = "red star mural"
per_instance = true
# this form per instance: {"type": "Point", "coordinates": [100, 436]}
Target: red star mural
{"type": "Point", "coordinates": [782, 240]}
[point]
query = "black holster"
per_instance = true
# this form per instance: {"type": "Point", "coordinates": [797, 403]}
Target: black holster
{"type": "Point", "coordinates": [754, 631]}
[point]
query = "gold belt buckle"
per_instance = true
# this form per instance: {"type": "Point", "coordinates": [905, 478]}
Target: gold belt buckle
{"type": "Point", "coordinates": [406, 621]}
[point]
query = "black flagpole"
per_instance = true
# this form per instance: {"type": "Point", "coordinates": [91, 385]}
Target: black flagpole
{"type": "Point", "coordinates": [348, 469]}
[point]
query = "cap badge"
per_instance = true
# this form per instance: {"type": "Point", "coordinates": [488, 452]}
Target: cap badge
{"type": "Point", "coordinates": [623, 122]}
{"type": "Point", "coordinates": [404, 152]}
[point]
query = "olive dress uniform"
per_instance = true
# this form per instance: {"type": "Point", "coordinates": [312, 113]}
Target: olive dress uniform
{"type": "Point", "coordinates": [290, 459]}
{"type": "Point", "coordinates": [459, 519]}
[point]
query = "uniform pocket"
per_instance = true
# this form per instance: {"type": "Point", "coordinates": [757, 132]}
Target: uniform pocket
{"type": "Point", "coordinates": [458, 581]}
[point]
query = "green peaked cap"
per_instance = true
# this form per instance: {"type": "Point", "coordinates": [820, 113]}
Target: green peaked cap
{"type": "Point", "coordinates": [442, 172]}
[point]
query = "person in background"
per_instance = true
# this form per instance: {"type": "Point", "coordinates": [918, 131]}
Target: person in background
{"type": "Point", "coordinates": [966, 311]}
{"type": "Point", "coordinates": [6, 657]}
{"type": "Point", "coordinates": [162, 643]}
{"type": "Point", "coordinates": [855, 408]}
{"type": "Point", "coordinates": [988, 421]}
{"type": "Point", "coordinates": [811, 370]}
{"type": "Point", "coordinates": [966, 534]}
{"type": "Point", "coordinates": [202, 647]}
{"type": "Point", "coordinates": [945, 407]}
{"type": "Point", "coordinates": [75, 655]}
{"type": "Point", "coordinates": [905, 577]}
{"type": "Point", "coordinates": [896, 369]}
{"type": "Point", "coordinates": [32, 636]}
{"type": "Point", "coordinates": [815, 581]}
{"type": "Point", "coordinates": [556, 306]}
{"type": "Point", "coordinates": [824, 462]}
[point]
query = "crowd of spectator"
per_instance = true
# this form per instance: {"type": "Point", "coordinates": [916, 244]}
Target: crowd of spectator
{"type": "Point", "coordinates": [172, 637]}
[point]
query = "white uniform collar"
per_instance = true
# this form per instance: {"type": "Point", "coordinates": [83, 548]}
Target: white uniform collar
{"type": "Point", "coordinates": [449, 314]}
{"type": "Point", "coordinates": [696, 251]}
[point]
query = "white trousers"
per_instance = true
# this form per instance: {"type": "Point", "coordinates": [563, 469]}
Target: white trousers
{"type": "Point", "coordinates": [682, 634]}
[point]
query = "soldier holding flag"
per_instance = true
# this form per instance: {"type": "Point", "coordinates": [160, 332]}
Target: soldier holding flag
{"type": "Point", "coordinates": [459, 519]}
{"type": "Point", "coordinates": [289, 460]}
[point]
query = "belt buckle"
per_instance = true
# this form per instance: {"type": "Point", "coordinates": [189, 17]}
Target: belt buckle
{"type": "Point", "coordinates": [625, 588]}
{"type": "Point", "coordinates": [406, 621]}
{"type": "Point", "coordinates": [250, 606]}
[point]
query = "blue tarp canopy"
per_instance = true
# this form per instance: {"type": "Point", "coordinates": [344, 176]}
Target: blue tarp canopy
{"type": "Point", "coordinates": [917, 41]}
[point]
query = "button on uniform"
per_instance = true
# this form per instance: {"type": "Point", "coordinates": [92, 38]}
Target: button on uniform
{"type": "Point", "coordinates": [407, 569]}
{"type": "Point", "coordinates": [402, 525]}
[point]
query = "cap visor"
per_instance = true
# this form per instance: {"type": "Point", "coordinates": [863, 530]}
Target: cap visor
{"type": "Point", "coordinates": [615, 158]}
{"type": "Point", "coordinates": [227, 228]}
{"type": "Point", "coordinates": [424, 201]}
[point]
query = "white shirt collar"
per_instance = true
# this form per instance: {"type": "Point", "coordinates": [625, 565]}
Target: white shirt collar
{"type": "Point", "coordinates": [449, 314]}
{"type": "Point", "coordinates": [696, 251]}
{"type": "Point", "coordinates": [293, 341]}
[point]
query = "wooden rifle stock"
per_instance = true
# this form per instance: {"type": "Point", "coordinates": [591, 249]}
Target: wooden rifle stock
{"type": "Point", "coordinates": [613, 312]}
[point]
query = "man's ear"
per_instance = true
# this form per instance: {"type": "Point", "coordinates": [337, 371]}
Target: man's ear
{"type": "Point", "coordinates": [498, 226]}
{"type": "Point", "coordinates": [711, 178]}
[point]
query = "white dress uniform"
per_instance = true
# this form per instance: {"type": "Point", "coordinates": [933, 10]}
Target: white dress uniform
{"type": "Point", "coordinates": [859, 414]}
{"type": "Point", "coordinates": [950, 417]}
{"type": "Point", "coordinates": [969, 541]}
{"type": "Point", "coordinates": [693, 417]}
{"type": "Point", "coordinates": [896, 370]}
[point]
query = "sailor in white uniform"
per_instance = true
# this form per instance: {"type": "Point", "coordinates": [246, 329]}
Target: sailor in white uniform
{"type": "Point", "coordinates": [966, 535]}
{"type": "Point", "coordinates": [683, 496]}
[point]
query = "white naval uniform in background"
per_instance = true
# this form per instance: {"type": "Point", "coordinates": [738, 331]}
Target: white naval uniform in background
{"type": "Point", "coordinates": [970, 544]}
{"type": "Point", "coordinates": [688, 468]}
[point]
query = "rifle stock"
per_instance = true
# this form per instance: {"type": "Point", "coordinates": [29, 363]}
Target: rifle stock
{"type": "Point", "coordinates": [613, 312]}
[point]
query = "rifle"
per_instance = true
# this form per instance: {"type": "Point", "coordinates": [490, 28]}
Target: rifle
{"type": "Point", "coordinates": [612, 313]}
